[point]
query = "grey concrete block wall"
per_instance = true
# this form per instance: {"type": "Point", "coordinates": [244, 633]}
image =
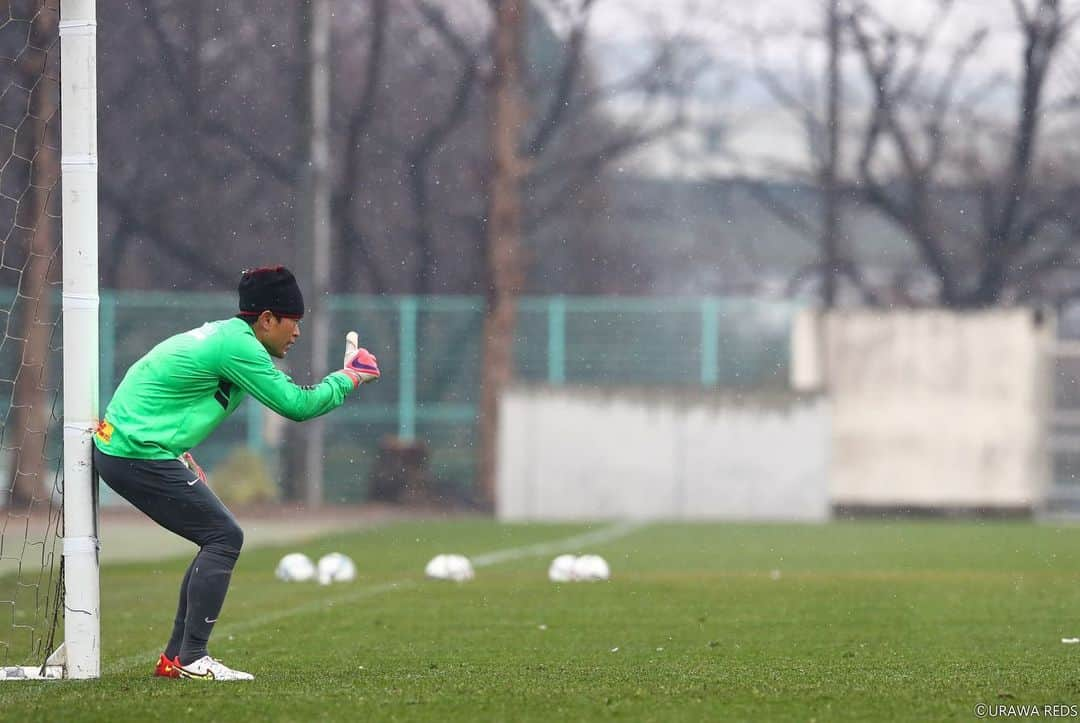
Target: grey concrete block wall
{"type": "Point", "coordinates": [932, 408]}
{"type": "Point", "coordinates": [574, 454]}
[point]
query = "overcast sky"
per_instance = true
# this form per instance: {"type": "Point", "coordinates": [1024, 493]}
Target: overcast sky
{"type": "Point", "coordinates": [723, 23]}
{"type": "Point", "coordinates": [723, 27]}
{"type": "Point", "coordinates": [615, 17]}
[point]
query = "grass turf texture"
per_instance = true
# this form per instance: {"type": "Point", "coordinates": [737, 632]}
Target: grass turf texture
{"type": "Point", "coordinates": [863, 621]}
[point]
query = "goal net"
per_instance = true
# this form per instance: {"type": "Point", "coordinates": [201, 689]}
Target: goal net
{"type": "Point", "coordinates": [47, 292]}
{"type": "Point", "coordinates": [30, 404]}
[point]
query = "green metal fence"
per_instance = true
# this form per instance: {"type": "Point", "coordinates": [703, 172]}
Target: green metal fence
{"type": "Point", "coordinates": [429, 349]}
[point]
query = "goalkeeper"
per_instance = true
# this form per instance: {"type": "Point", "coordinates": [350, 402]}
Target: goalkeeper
{"type": "Point", "coordinates": [171, 400]}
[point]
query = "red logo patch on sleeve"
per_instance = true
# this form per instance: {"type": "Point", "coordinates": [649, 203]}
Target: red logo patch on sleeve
{"type": "Point", "coordinates": [104, 431]}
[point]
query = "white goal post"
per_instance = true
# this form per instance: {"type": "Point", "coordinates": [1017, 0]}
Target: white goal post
{"type": "Point", "coordinates": [79, 656]}
{"type": "Point", "coordinates": [78, 146]}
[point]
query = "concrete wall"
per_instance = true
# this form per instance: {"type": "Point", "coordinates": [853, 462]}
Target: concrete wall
{"type": "Point", "coordinates": [931, 408]}
{"type": "Point", "coordinates": [569, 454]}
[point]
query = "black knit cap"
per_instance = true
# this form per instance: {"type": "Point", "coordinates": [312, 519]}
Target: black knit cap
{"type": "Point", "coordinates": [270, 288]}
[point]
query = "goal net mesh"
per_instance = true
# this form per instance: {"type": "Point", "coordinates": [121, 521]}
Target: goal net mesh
{"type": "Point", "coordinates": [31, 483]}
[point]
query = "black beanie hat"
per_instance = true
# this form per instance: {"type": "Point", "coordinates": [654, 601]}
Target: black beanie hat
{"type": "Point", "coordinates": [270, 288]}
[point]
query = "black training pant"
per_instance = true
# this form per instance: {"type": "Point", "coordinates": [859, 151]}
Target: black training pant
{"type": "Point", "coordinates": [173, 496]}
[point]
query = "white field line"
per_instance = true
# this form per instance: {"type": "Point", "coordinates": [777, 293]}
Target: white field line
{"type": "Point", "coordinates": [570, 544]}
{"type": "Point", "coordinates": [574, 543]}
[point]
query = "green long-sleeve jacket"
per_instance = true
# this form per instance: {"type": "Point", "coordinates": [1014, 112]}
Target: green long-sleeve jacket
{"type": "Point", "coordinates": [181, 390]}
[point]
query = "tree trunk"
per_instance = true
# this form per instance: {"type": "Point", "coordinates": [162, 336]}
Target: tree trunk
{"type": "Point", "coordinates": [505, 272]}
{"type": "Point", "coordinates": [30, 405]}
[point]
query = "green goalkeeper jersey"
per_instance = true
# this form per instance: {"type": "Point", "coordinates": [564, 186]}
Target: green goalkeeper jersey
{"type": "Point", "coordinates": [183, 388]}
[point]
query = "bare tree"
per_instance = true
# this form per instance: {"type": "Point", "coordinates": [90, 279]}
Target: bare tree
{"type": "Point", "coordinates": [204, 155]}
{"type": "Point", "coordinates": [354, 253]}
{"type": "Point", "coordinates": [522, 141]}
{"type": "Point", "coordinates": [419, 156]}
{"type": "Point", "coordinates": [555, 155]}
{"type": "Point", "coordinates": [177, 146]}
{"type": "Point", "coordinates": [813, 96]}
{"type": "Point", "coordinates": [910, 159]}
{"type": "Point", "coordinates": [925, 123]}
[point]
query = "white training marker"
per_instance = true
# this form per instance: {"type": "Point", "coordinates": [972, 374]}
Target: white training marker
{"type": "Point", "coordinates": [562, 568]}
{"type": "Point", "coordinates": [450, 567]}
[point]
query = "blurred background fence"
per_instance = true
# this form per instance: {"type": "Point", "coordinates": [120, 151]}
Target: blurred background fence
{"type": "Point", "coordinates": [429, 350]}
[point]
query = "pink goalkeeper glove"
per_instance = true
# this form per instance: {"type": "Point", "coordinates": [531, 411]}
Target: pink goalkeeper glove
{"type": "Point", "coordinates": [360, 364]}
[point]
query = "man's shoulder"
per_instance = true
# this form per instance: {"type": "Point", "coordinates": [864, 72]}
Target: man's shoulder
{"type": "Point", "coordinates": [228, 337]}
{"type": "Point", "coordinates": [215, 329]}
{"type": "Point", "coordinates": [235, 327]}
{"type": "Point", "coordinates": [224, 330]}
{"type": "Point", "coordinates": [236, 338]}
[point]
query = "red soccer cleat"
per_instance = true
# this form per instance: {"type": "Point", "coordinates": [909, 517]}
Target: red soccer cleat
{"type": "Point", "coordinates": [167, 668]}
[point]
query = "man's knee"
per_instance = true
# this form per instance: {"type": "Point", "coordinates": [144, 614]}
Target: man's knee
{"type": "Point", "coordinates": [227, 539]}
{"type": "Point", "coordinates": [234, 536]}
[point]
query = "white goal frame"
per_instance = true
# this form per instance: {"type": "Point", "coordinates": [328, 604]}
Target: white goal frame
{"type": "Point", "coordinates": [79, 174]}
{"type": "Point", "coordinates": [79, 656]}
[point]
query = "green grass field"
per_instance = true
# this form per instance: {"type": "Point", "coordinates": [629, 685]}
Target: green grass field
{"type": "Point", "coordinates": [847, 621]}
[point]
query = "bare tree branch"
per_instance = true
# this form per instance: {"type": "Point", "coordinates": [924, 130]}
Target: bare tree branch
{"type": "Point", "coordinates": [351, 239]}
{"type": "Point", "coordinates": [786, 214]}
{"type": "Point", "coordinates": [941, 104]}
{"type": "Point", "coordinates": [183, 83]}
{"type": "Point", "coordinates": [167, 243]}
{"type": "Point", "coordinates": [564, 85]}
{"type": "Point", "coordinates": [1042, 32]}
{"type": "Point", "coordinates": [418, 158]}
{"type": "Point", "coordinates": [587, 166]}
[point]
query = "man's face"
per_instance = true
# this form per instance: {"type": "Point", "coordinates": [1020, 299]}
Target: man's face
{"type": "Point", "coordinates": [276, 333]}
